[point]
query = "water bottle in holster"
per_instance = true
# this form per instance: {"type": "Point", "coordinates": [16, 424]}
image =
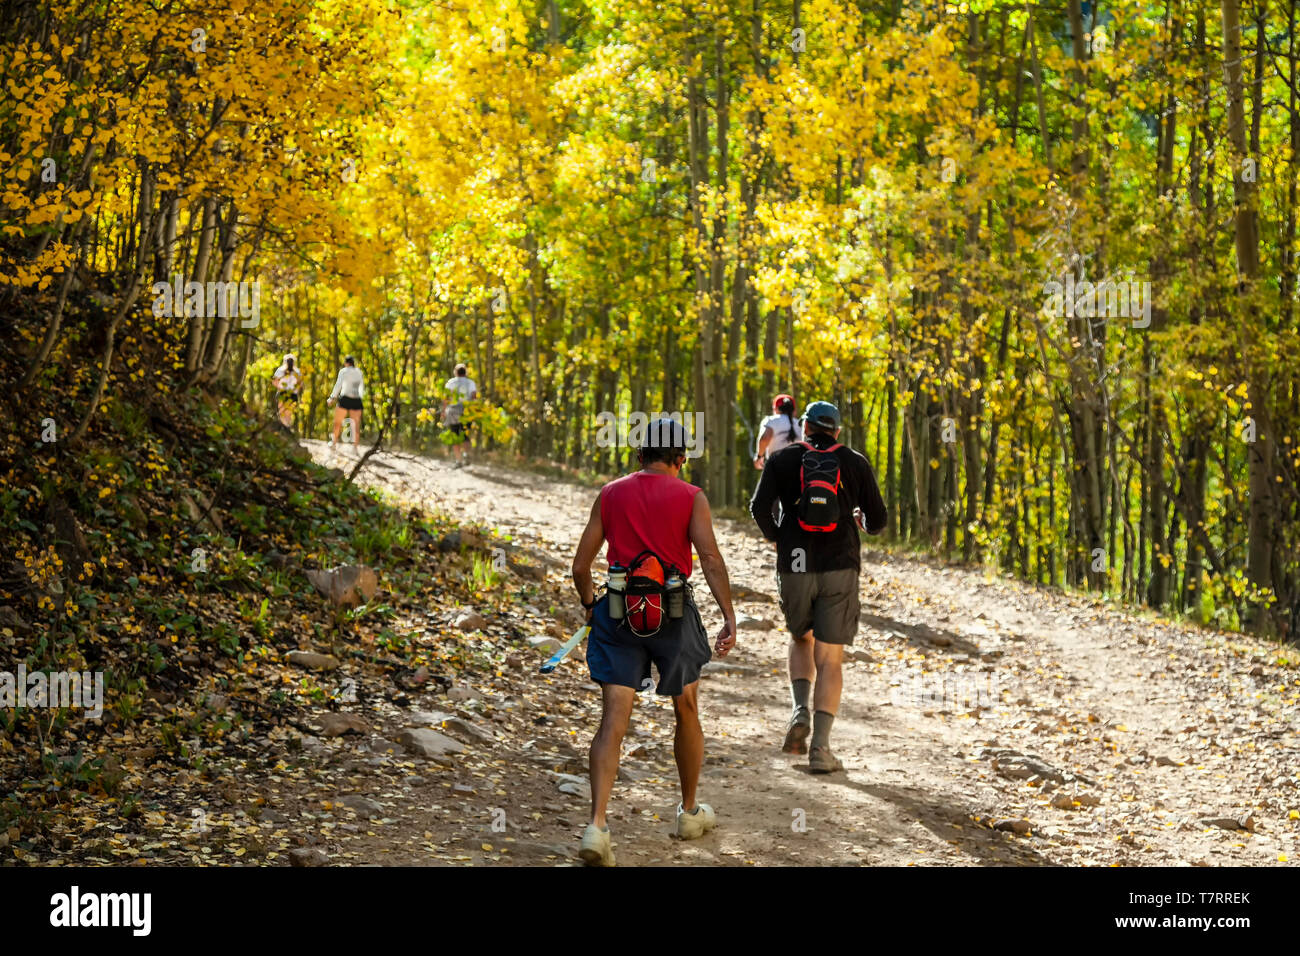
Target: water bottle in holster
{"type": "Point", "coordinates": [675, 591]}
{"type": "Point", "coordinates": [616, 588]}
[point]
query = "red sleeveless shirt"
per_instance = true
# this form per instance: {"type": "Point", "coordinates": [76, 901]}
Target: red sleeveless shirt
{"type": "Point", "coordinates": [645, 511]}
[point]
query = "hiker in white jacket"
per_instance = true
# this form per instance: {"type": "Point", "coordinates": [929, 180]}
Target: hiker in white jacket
{"type": "Point", "coordinates": [349, 389]}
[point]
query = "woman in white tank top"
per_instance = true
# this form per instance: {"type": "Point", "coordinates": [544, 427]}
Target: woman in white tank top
{"type": "Point", "coordinates": [777, 430]}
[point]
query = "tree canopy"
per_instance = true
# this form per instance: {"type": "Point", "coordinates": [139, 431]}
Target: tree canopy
{"type": "Point", "coordinates": [1043, 257]}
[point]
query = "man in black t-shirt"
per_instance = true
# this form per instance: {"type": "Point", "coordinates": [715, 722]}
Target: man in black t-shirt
{"type": "Point", "coordinates": [817, 572]}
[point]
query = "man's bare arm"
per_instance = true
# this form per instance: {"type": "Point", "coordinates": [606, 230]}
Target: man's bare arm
{"type": "Point", "coordinates": [715, 570]}
{"type": "Point", "coordinates": [588, 548]}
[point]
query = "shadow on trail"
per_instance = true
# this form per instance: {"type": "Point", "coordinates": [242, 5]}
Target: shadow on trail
{"type": "Point", "coordinates": [990, 847]}
{"type": "Point", "coordinates": [933, 810]}
{"type": "Point", "coordinates": [923, 636]}
{"type": "Point", "coordinates": [499, 479]}
{"type": "Point", "coordinates": [770, 807]}
{"type": "Point", "coordinates": [863, 712]}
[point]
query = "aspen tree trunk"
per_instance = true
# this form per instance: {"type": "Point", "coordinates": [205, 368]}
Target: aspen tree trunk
{"type": "Point", "coordinates": [1162, 570]}
{"type": "Point", "coordinates": [207, 235]}
{"type": "Point", "coordinates": [55, 323]}
{"type": "Point", "coordinates": [719, 421]}
{"type": "Point", "coordinates": [1086, 360]}
{"type": "Point", "coordinates": [1259, 453]}
{"type": "Point", "coordinates": [219, 344]}
{"type": "Point", "coordinates": [149, 223]}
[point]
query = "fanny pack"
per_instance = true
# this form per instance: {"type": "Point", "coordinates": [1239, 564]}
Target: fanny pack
{"type": "Point", "coordinates": [644, 594]}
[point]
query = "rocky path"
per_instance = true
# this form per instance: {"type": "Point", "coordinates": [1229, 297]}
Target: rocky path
{"type": "Point", "coordinates": [984, 722]}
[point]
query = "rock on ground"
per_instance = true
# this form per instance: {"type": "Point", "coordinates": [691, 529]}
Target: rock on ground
{"type": "Point", "coordinates": [429, 743]}
{"type": "Point", "coordinates": [347, 585]}
{"type": "Point", "coordinates": [336, 725]}
{"type": "Point", "coordinates": [470, 621]}
{"type": "Point", "coordinates": [307, 856]}
{"type": "Point", "coordinates": [313, 661]}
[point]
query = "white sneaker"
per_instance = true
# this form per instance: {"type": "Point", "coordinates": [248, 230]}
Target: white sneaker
{"type": "Point", "coordinates": [596, 849]}
{"type": "Point", "coordinates": [692, 825]}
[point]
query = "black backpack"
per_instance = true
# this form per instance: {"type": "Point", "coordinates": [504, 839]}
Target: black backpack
{"type": "Point", "coordinates": [818, 508]}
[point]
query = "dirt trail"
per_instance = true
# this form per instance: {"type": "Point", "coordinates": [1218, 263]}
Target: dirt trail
{"type": "Point", "coordinates": [1087, 735]}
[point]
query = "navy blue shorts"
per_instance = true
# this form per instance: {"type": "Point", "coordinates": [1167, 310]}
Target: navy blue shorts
{"type": "Point", "coordinates": [617, 656]}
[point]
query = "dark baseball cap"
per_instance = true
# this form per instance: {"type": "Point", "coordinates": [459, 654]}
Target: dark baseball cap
{"type": "Point", "coordinates": [665, 433]}
{"type": "Point", "coordinates": [822, 414]}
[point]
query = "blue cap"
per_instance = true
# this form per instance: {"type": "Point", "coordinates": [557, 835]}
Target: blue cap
{"type": "Point", "coordinates": [822, 414]}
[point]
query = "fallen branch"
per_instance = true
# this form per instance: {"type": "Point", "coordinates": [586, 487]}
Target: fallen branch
{"type": "Point", "coordinates": [379, 440]}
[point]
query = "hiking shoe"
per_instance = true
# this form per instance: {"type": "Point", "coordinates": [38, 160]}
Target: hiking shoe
{"type": "Point", "coordinates": [596, 849]}
{"type": "Point", "coordinates": [696, 824]}
{"type": "Point", "coordinates": [821, 760]}
{"type": "Point", "coordinates": [796, 734]}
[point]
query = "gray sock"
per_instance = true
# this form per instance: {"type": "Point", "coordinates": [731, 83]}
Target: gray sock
{"type": "Point", "coordinates": [822, 721]}
{"type": "Point", "coordinates": [801, 692]}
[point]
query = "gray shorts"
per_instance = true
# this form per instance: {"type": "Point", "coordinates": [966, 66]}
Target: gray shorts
{"type": "Point", "coordinates": [824, 602]}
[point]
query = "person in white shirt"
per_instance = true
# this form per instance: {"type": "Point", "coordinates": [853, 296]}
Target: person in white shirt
{"type": "Point", "coordinates": [349, 389]}
{"type": "Point", "coordinates": [460, 388]}
{"type": "Point", "coordinates": [288, 387]}
{"type": "Point", "coordinates": [777, 430]}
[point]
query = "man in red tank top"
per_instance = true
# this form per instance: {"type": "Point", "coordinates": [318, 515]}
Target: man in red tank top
{"type": "Point", "coordinates": [650, 510]}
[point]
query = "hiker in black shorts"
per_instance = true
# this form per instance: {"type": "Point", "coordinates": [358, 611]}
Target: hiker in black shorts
{"type": "Point", "coordinates": [460, 389]}
{"type": "Point", "coordinates": [650, 520]}
{"type": "Point", "coordinates": [827, 491]}
{"type": "Point", "coordinates": [349, 389]}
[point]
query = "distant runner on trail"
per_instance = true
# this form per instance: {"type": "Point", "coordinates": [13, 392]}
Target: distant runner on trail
{"type": "Point", "coordinates": [349, 389]}
{"type": "Point", "coordinates": [461, 389]}
{"type": "Point", "coordinates": [774, 433]}
{"type": "Point", "coordinates": [650, 519]}
{"type": "Point", "coordinates": [777, 430]}
{"type": "Point", "coordinates": [287, 380]}
{"type": "Point", "coordinates": [826, 492]}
